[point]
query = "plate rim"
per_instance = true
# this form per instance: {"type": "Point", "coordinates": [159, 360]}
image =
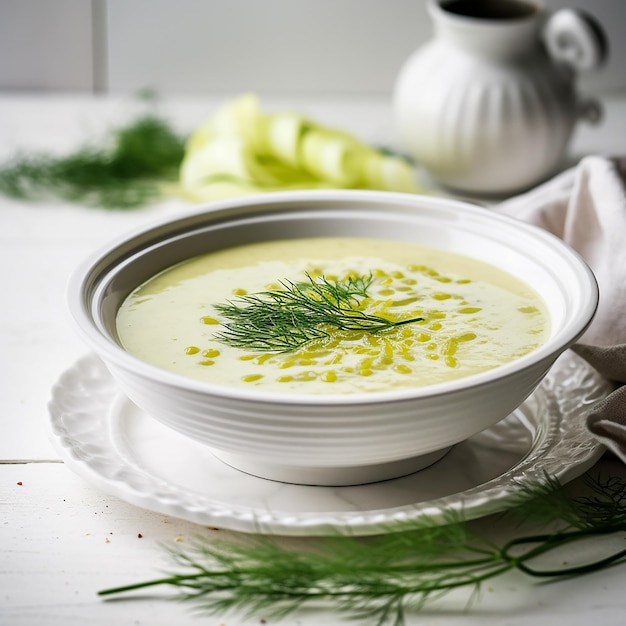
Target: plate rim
{"type": "Point", "coordinates": [560, 452]}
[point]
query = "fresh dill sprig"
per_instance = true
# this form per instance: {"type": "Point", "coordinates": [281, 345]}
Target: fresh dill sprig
{"type": "Point", "coordinates": [127, 171]}
{"type": "Point", "coordinates": [381, 579]}
{"type": "Point", "coordinates": [284, 320]}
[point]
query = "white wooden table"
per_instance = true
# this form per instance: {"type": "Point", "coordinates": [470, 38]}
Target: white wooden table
{"type": "Point", "coordinates": [61, 539]}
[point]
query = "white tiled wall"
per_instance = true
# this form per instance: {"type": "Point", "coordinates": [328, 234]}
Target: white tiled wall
{"type": "Point", "coordinates": [46, 44]}
{"type": "Point", "coordinates": [301, 46]}
{"type": "Point", "coordinates": [347, 47]}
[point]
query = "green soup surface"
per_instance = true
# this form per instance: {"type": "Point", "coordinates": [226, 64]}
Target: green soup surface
{"type": "Point", "coordinates": [473, 317]}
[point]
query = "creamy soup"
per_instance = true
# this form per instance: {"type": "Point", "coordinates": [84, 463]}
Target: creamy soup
{"type": "Point", "coordinates": [468, 316]}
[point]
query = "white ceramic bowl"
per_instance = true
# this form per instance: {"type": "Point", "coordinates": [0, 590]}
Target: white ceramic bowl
{"type": "Point", "coordinates": [333, 439]}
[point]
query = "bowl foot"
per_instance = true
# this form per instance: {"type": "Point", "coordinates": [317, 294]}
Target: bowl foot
{"type": "Point", "coordinates": [333, 476]}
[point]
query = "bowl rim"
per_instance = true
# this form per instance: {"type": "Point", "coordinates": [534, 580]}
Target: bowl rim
{"type": "Point", "coordinates": [113, 354]}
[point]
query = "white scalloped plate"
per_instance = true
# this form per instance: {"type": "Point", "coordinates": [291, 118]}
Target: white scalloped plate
{"type": "Point", "coordinates": [114, 445]}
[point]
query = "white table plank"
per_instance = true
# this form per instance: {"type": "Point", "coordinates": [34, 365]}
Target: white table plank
{"type": "Point", "coordinates": [63, 540]}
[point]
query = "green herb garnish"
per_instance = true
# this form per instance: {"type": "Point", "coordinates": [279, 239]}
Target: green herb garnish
{"type": "Point", "coordinates": [284, 320]}
{"type": "Point", "coordinates": [379, 580]}
{"type": "Point", "coordinates": [128, 172]}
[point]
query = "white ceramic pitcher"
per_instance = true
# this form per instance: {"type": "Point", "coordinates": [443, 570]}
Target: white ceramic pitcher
{"type": "Point", "coordinates": [489, 104]}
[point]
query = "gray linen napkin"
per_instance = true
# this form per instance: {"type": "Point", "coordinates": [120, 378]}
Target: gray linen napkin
{"type": "Point", "coordinates": [607, 419]}
{"type": "Point", "coordinates": [586, 207]}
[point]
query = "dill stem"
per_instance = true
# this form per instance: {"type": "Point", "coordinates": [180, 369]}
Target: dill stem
{"type": "Point", "coordinates": [571, 571]}
{"type": "Point", "coordinates": [548, 543]}
{"type": "Point", "coordinates": [177, 580]}
{"type": "Point", "coordinates": [187, 580]}
{"type": "Point", "coordinates": [461, 573]}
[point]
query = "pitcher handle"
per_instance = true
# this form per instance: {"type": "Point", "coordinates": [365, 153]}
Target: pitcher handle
{"type": "Point", "coordinates": [575, 39]}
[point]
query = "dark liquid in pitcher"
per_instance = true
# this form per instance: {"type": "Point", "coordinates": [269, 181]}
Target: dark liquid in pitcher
{"type": "Point", "coordinates": [490, 9]}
